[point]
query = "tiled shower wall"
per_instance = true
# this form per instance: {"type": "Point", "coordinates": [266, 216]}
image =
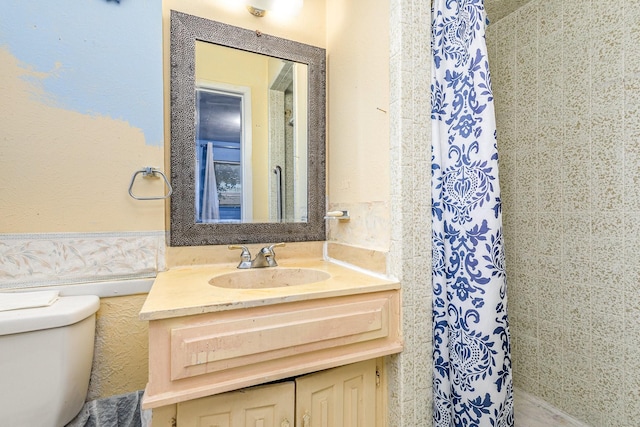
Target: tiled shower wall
{"type": "Point", "coordinates": [566, 79]}
{"type": "Point", "coordinates": [410, 392]}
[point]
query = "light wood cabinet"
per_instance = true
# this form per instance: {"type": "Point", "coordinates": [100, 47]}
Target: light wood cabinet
{"type": "Point", "coordinates": [339, 397]}
{"type": "Point", "coordinates": [262, 406]}
{"type": "Point", "coordinates": [202, 355]}
{"type": "Point", "coordinates": [347, 396]}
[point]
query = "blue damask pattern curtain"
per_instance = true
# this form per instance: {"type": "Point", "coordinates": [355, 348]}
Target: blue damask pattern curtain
{"type": "Point", "coordinates": [472, 364]}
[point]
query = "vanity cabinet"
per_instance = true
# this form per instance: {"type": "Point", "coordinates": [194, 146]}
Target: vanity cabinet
{"type": "Point", "coordinates": [261, 406]}
{"type": "Point", "coordinates": [340, 397]}
{"type": "Point", "coordinates": [206, 354]}
{"type": "Point", "coordinates": [327, 337]}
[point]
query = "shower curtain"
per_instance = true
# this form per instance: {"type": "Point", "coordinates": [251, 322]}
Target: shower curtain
{"type": "Point", "coordinates": [210, 202]}
{"type": "Point", "coordinates": [472, 381]}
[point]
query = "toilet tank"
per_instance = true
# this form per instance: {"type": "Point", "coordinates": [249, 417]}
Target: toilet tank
{"type": "Point", "coordinates": [46, 355]}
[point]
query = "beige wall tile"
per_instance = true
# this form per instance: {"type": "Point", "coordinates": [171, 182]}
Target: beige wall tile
{"type": "Point", "coordinates": [572, 223]}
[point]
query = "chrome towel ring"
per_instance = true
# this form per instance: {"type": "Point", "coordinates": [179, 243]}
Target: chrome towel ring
{"type": "Point", "coordinates": [150, 172]}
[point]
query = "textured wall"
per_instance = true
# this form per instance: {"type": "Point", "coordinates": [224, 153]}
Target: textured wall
{"type": "Point", "coordinates": [498, 9]}
{"type": "Point", "coordinates": [82, 111]}
{"type": "Point", "coordinates": [566, 78]}
{"type": "Point", "coordinates": [410, 169]}
{"type": "Point", "coordinates": [120, 362]}
{"type": "Point", "coordinates": [358, 122]}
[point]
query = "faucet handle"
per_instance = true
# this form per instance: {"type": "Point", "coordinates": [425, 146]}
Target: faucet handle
{"type": "Point", "coordinates": [275, 245]}
{"type": "Point", "coordinates": [245, 256]}
{"type": "Point", "coordinates": [270, 255]}
{"type": "Point", "coordinates": [245, 251]}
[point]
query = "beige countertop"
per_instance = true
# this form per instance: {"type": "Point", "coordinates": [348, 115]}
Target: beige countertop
{"type": "Point", "coordinates": [185, 291]}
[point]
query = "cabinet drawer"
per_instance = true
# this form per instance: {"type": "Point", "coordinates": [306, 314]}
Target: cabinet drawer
{"type": "Point", "coordinates": [212, 353]}
{"type": "Point", "coordinates": [224, 344]}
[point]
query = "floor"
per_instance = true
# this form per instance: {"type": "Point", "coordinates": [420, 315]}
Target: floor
{"type": "Point", "coordinates": [533, 412]}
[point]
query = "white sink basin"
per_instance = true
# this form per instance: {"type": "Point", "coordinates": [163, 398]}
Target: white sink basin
{"type": "Point", "coordinates": [271, 277]}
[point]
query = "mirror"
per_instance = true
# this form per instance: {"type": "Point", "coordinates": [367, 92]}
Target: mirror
{"type": "Point", "coordinates": [251, 137]}
{"type": "Point", "coordinates": [247, 136]}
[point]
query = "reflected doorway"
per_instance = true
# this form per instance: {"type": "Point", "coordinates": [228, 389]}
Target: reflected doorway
{"type": "Point", "coordinates": [223, 189]}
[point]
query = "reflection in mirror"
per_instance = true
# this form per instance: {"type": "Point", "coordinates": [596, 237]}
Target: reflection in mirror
{"type": "Point", "coordinates": [251, 109]}
{"type": "Point", "coordinates": [219, 144]}
{"type": "Point", "coordinates": [249, 164]}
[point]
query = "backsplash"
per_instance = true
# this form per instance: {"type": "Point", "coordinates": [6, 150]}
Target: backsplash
{"type": "Point", "coordinates": [31, 260]}
{"type": "Point", "coordinates": [368, 226]}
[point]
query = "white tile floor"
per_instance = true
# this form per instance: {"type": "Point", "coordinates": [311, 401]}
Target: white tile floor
{"type": "Point", "coordinates": [533, 412]}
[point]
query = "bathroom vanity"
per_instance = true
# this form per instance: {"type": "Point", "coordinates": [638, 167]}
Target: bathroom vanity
{"type": "Point", "coordinates": [344, 396]}
{"type": "Point", "coordinates": [215, 329]}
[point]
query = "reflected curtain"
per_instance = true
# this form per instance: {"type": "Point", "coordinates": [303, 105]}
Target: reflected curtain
{"type": "Point", "coordinates": [472, 379]}
{"type": "Point", "coordinates": [210, 203]}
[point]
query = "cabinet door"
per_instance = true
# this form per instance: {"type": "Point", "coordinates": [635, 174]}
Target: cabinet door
{"type": "Point", "coordinates": [339, 397]}
{"type": "Point", "coordinates": [263, 406]}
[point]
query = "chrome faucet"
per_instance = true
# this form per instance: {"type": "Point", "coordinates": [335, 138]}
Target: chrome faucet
{"type": "Point", "coordinates": [265, 258]}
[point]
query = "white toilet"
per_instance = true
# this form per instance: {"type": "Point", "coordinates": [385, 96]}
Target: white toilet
{"type": "Point", "coordinates": [45, 361]}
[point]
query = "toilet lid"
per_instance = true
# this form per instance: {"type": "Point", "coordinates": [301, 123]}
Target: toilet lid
{"type": "Point", "coordinates": [65, 311]}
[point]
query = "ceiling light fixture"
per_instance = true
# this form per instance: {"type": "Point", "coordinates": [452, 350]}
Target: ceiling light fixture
{"type": "Point", "coordinates": [260, 7]}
